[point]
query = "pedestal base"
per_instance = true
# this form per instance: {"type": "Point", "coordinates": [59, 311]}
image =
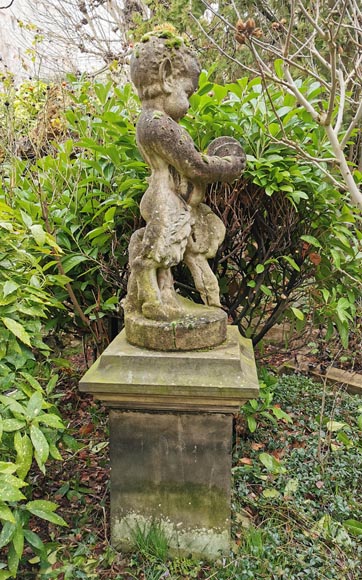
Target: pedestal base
{"type": "Point", "coordinates": [170, 439]}
{"type": "Point", "coordinates": [199, 327]}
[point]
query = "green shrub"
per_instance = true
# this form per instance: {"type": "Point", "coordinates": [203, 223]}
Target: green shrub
{"type": "Point", "coordinates": [292, 247]}
{"type": "Point", "coordinates": [293, 243]}
{"type": "Point", "coordinates": [86, 197]}
{"type": "Point", "coordinates": [30, 425]}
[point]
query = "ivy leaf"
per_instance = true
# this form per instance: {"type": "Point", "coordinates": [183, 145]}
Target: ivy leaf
{"type": "Point", "coordinates": [359, 422]}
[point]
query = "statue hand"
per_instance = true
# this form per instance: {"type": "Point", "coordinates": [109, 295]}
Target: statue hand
{"type": "Point", "coordinates": [225, 147]}
{"type": "Point", "coordinates": [229, 148]}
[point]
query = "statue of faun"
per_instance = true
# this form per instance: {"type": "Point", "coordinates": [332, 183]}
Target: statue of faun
{"type": "Point", "coordinates": [179, 226]}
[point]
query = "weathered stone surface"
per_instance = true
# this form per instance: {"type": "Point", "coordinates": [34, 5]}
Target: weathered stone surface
{"type": "Point", "coordinates": [170, 438]}
{"type": "Point", "coordinates": [198, 327]}
{"type": "Point", "coordinates": [173, 469]}
{"type": "Point", "coordinates": [215, 380]}
{"type": "Point", "coordinates": [179, 226]}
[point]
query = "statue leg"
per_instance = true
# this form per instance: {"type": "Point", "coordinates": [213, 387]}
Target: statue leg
{"type": "Point", "coordinates": [204, 278]}
{"type": "Point", "coordinates": [168, 294]}
{"type": "Point", "coordinates": [143, 294]}
{"type": "Point", "coordinates": [150, 288]}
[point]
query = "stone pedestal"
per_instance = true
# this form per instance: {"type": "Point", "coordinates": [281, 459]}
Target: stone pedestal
{"type": "Point", "coordinates": [170, 438]}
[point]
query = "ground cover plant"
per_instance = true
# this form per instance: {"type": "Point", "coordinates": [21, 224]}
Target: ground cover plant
{"type": "Point", "coordinates": [297, 501]}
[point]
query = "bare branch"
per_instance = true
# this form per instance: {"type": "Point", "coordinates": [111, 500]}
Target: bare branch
{"type": "Point", "coordinates": [342, 101]}
{"type": "Point", "coordinates": [235, 8]}
{"type": "Point", "coordinates": [300, 97]}
{"type": "Point", "coordinates": [312, 21]}
{"type": "Point", "coordinates": [290, 29]}
{"type": "Point", "coordinates": [8, 6]}
{"type": "Point", "coordinates": [228, 56]}
{"type": "Point", "coordinates": [332, 95]}
{"type": "Point", "coordinates": [355, 121]}
{"type": "Point", "coordinates": [228, 24]}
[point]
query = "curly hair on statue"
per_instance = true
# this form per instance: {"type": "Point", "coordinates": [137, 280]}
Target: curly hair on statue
{"type": "Point", "coordinates": [155, 47]}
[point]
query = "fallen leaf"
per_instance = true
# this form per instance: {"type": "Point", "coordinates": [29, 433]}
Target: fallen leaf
{"type": "Point", "coordinates": [257, 446]}
{"type": "Point", "coordinates": [86, 429]}
{"type": "Point", "coordinates": [278, 453]}
{"type": "Point", "coordinates": [246, 461]}
{"type": "Point", "coordinates": [243, 518]}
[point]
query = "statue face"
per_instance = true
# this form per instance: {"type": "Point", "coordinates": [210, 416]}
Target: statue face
{"type": "Point", "coordinates": [176, 103]}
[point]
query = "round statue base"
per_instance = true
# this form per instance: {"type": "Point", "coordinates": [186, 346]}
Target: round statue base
{"type": "Point", "coordinates": [199, 327]}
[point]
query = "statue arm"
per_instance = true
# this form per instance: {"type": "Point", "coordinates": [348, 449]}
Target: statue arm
{"type": "Point", "coordinates": [163, 136]}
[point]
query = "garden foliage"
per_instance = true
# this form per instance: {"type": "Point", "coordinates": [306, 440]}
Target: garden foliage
{"type": "Point", "coordinates": [30, 425]}
{"type": "Point", "coordinates": [292, 249]}
{"type": "Point", "coordinates": [293, 242]}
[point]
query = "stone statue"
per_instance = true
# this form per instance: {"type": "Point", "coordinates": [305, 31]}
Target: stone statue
{"type": "Point", "coordinates": [179, 226]}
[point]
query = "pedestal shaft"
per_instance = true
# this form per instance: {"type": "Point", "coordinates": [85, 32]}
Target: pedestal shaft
{"type": "Point", "coordinates": [172, 469]}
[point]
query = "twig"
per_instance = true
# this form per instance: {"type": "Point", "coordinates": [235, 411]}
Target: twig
{"type": "Point", "coordinates": [290, 28]}
{"type": "Point", "coordinates": [352, 126]}
{"type": "Point", "coordinates": [251, 70]}
{"type": "Point", "coordinates": [342, 100]}
{"type": "Point", "coordinates": [228, 24]}
{"type": "Point", "coordinates": [332, 96]}
{"type": "Point", "coordinates": [8, 6]}
{"type": "Point", "coordinates": [313, 22]}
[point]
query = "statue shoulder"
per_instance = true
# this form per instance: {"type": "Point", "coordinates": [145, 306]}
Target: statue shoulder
{"type": "Point", "coordinates": [155, 127]}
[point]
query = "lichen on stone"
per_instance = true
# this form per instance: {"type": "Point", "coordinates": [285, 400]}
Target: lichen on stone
{"type": "Point", "coordinates": [167, 32]}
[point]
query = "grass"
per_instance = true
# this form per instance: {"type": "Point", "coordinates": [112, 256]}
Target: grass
{"type": "Point", "coordinates": [297, 497]}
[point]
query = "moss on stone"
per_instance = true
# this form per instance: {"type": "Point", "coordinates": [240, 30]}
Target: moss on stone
{"type": "Point", "coordinates": [180, 500]}
{"type": "Point", "coordinates": [166, 32]}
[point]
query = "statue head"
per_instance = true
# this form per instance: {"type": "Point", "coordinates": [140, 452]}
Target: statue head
{"type": "Point", "coordinates": [162, 62]}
